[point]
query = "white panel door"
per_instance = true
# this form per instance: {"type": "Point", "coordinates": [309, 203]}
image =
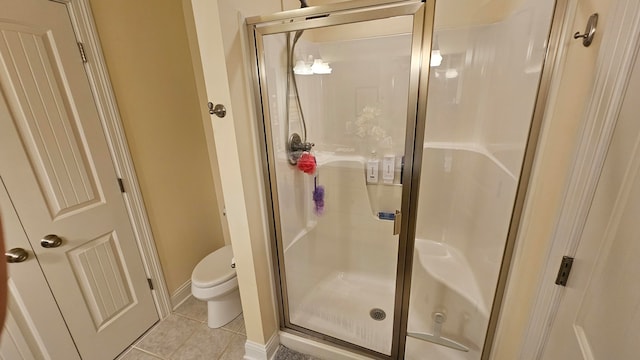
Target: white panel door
{"type": "Point", "coordinates": [57, 169]}
{"type": "Point", "coordinates": [599, 315]}
{"type": "Point", "coordinates": [34, 327]}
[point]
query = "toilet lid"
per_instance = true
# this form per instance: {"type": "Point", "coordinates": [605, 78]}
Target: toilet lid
{"type": "Point", "coordinates": [214, 269]}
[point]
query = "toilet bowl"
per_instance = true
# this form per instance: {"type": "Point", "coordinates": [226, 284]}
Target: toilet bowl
{"type": "Point", "coordinates": [214, 280]}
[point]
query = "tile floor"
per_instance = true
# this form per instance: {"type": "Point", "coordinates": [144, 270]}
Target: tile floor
{"type": "Point", "coordinates": [184, 335]}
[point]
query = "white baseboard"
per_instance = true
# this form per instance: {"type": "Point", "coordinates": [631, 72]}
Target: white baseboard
{"type": "Point", "coordinates": [181, 295]}
{"type": "Point", "coordinates": [255, 351]}
{"type": "Point", "coordinates": [317, 349]}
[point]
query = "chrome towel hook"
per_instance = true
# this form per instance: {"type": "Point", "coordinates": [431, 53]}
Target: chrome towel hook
{"type": "Point", "coordinates": [589, 32]}
{"type": "Point", "coordinates": [218, 110]}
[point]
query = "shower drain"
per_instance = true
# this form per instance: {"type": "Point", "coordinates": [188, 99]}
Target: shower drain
{"type": "Point", "coordinates": [377, 314]}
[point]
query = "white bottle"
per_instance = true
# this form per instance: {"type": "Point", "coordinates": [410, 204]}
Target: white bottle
{"type": "Point", "coordinates": [388, 169]}
{"type": "Point", "coordinates": [372, 168]}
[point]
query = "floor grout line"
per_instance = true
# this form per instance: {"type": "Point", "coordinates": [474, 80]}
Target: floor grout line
{"type": "Point", "coordinates": [232, 331]}
{"type": "Point", "coordinates": [149, 353]}
{"type": "Point", "coordinates": [190, 318]}
{"type": "Point", "coordinates": [225, 348]}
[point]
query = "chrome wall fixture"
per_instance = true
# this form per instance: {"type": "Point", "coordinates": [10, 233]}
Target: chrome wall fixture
{"type": "Point", "coordinates": [589, 32]}
{"type": "Point", "coordinates": [295, 148]}
{"type": "Point", "coordinates": [218, 110]}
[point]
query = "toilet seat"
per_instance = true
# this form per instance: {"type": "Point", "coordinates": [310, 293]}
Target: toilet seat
{"type": "Point", "coordinates": [205, 293]}
{"type": "Point", "coordinates": [215, 269]}
{"type": "Point", "coordinates": [214, 280]}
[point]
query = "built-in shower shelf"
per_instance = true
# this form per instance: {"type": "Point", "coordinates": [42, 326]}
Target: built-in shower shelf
{"type": "Point", "coordinates": [449, 266]}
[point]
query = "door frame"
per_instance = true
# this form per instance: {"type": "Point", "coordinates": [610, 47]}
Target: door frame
{"type": "Point", "coordinates": [619, 49]}
{"type": "Point", "coordinates": [86, 33]}
{"type": "Point", "coordinates": [259, 26]}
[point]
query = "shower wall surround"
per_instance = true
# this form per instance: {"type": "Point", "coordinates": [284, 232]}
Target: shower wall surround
{"type": "Point", "coordinates": [339, 270]}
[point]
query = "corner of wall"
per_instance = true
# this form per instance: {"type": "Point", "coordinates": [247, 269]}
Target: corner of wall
{"type": "Point", "coordinates": [255, 351]}
{"type": "Point", "coordinates": [238, 180]}
{"type": "Point", "coordinates": [206, 118]}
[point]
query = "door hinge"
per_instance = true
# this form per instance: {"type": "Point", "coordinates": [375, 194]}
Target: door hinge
{"type": "Point", "coordinates": [121, 184]}
{"type": "Point", "coordinates": [150, 283]}
{"type": "Point", "coordinates": [83, 55]}
{"type": "Point", "coordinates": [565, 269]}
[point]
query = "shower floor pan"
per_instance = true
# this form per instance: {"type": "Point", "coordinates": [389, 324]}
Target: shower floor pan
{"type": "Point", "coordinates": [340, 306]}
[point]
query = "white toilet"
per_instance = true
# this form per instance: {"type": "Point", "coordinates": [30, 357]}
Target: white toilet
{"type": "Point", "coordinates": [214, 280]}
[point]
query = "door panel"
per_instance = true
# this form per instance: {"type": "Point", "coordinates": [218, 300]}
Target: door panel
{"type": "Point", "coordinates": [98, 268]}
{"type": "Point", "coordinates": [13, 344]}
{"type": "Point", "coordinates": [57, 168]}
{"type": "Point", "coordinates": [598, 317]}
{"type": "Point", "coordinates": [34, 327]}
{"type": "Point", "coordinates": [48, 116]}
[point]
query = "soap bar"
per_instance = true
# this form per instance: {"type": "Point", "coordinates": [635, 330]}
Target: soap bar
{"type": "Point", "coordinates": [386, 215]}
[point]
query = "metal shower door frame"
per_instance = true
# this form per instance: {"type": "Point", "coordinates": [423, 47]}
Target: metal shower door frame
{"type": "Point", "coordinates": [337, 14]}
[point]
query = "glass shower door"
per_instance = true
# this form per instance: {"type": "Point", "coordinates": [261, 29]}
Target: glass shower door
{"type": "Point", "coordinates": [481, 111]}
{"type": "Point", "coordinates": [338, 88]}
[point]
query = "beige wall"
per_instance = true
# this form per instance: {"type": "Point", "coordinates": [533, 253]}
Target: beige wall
{"type": "Point", "coordinates": [218, 55]}
{"type": "Point", "coordinates": [147, 54]}
{"type": "Point", "coordinates": [553, 160]}
{"type": "Point", "coordinates": [232, 13]}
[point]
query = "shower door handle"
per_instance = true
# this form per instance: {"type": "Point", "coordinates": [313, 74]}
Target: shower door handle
{"type": "Point", "coordinates": [397, 222]}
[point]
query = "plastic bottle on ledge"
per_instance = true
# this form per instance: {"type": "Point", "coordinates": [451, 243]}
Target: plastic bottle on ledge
{"type": "Point", "coordinates": [372, 168]}
{"type": "Point", "coordinates": [388, 169]}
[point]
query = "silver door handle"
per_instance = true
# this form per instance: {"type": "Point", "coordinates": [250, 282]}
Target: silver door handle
{"type": "Point", "coordinates": [51, 241]}
{"type": "Point", "coordinates": [16, 255]}
{"type": "Point", "coordinates": [397, 223]}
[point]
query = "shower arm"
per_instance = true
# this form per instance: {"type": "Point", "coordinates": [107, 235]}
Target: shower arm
{"type": "Point", "coordinates": [296, 145]}
{"type": "Point", "coordinates": [292, 78]}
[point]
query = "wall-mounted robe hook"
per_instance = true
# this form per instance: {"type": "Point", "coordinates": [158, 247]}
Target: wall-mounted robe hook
{"type": "Point", "coordinates": [589, 32]}
{"type": "Point", "coordinates": [218, 110]}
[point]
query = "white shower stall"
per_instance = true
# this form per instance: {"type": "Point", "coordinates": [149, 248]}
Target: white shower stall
{"type": "Point", "coordinates": [338, 264]}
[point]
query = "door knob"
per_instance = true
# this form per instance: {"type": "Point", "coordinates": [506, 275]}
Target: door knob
{"type": "Point", "coordinates": [16, 255]}
{"type": "Point", "coordinates": [51, 241]}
